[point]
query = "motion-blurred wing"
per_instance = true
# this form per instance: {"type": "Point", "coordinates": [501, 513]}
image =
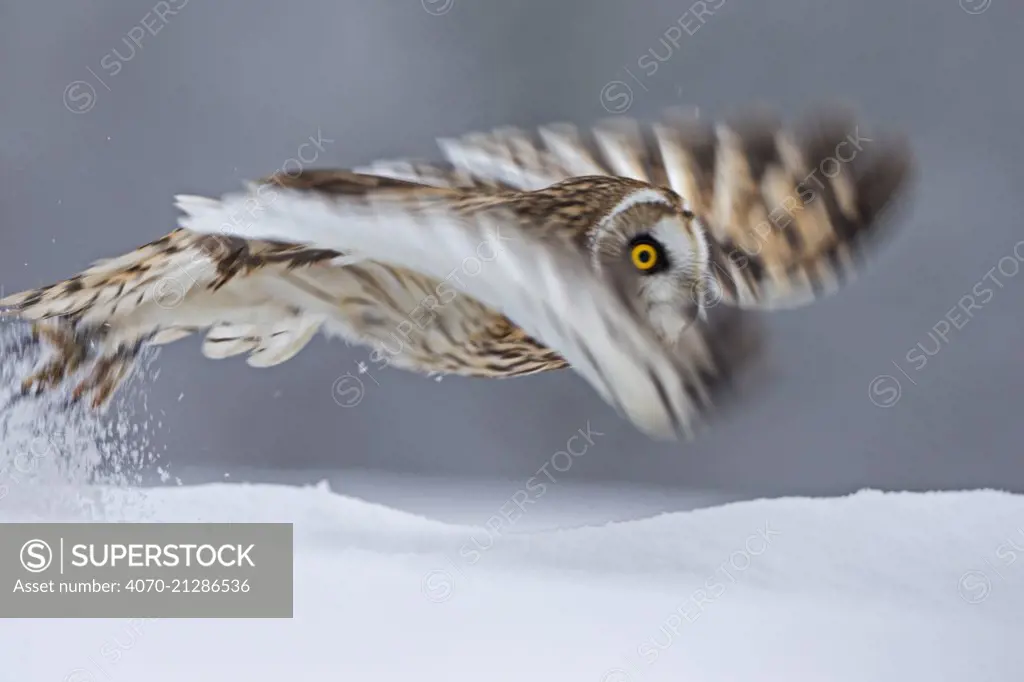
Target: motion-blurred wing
{"type": "Point", "coordinates": [244, 294]}
{"type": "Point", "coordinates": [543, 284]}
{"type": "Point", "coordinates": [263, 299]}
{"type": "Point", "coordinates": [788, 210]}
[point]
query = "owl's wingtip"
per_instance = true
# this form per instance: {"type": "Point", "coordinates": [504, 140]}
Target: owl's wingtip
{"type": "Point", "coordinates": [199, 214]}
{"type": "Point", "coordinates": [192, 204]}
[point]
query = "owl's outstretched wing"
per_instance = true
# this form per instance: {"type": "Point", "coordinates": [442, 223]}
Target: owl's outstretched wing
{"type": "Point", "coordinates": [543, 282]}
{"type": "Point", "coordinates": [788, 210]}
{"type": "Point", "coordinates": [267, 299]}
{"type": "Point", "coordinates": [249, 296]}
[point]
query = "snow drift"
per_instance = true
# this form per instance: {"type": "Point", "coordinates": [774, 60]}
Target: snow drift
{"type": "Point", "coordinates": [874, 586]}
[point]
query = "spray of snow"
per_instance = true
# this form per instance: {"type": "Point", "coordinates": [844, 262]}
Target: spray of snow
{"type": "Point", "coordinates": [47, 443]}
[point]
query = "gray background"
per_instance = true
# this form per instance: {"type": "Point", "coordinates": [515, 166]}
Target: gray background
{"type": "Point", "coordinates": [228, 90]}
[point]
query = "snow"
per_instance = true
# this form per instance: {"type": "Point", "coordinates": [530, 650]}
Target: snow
{"type": "Point", "coordinates": [870, 587]}
{"type": "Point", "coordinates": [406, 578]}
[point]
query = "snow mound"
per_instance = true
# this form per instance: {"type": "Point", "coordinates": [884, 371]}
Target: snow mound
{"type": "Point", "coordinates": [873, 586]}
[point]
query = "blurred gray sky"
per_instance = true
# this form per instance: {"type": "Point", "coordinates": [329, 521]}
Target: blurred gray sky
{"type": "Point", "coordinates": [200, 95]}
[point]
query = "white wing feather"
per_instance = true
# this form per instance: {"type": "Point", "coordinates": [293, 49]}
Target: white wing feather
{"type": "Point", "coordinates": [545, 287]}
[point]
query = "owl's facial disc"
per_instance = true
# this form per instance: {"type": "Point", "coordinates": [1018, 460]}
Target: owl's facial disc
{"type": "Point", "coordinates": [671, 287]}
{"type": "Point", "coordinates": [660, 277]}
{"type": "Point", "coordinates": [665, 248]}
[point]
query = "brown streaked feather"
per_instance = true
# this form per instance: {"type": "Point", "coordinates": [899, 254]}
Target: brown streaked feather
{"type": "Point", "coordinates": [183, 283]}
{"type": "Point", "coordinates": [590, 310]}
{"type": "Point", "coordinates": [350, 183]}
{"type": "Point", "coordinates": [158, 293]}
{"type": "Point", "coordinates": [777, 243]}
{"type": "Point", "coordinates": [225, 282]}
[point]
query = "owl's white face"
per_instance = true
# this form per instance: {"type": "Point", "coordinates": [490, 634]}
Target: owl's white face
{"type": "Point", "coordinates": [665, 250]}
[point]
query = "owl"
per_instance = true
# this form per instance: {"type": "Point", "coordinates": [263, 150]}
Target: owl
{"type": "Point", "coordinates": [521, 252]}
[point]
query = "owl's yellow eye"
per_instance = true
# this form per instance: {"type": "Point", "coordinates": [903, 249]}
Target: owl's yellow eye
{"type": "Point", "coordinates": [645, 256]}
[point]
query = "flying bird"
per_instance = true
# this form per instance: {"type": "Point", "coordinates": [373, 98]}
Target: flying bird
{"type": "Point", "coordinates": [599, 250]}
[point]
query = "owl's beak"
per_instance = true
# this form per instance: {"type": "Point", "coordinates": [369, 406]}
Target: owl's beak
{"type": "Point", "coordinates": [696, 307]}
{"type": "Point", "coordinates": [693, 312]}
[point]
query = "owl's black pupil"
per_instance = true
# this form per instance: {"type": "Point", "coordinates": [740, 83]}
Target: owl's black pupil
{"type": "Point", "coordinates": [645, 256]}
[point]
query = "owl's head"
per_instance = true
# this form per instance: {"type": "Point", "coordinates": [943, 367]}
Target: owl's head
{"type": "Point", "coordinates": [662, 246]}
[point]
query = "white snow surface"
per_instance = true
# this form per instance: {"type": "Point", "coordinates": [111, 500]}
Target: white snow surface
{"type": "Point", "coordinates": [871, 587]}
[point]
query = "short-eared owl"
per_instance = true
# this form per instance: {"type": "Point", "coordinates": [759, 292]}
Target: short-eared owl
{"type": "Point", "coordinates": [518, 254]}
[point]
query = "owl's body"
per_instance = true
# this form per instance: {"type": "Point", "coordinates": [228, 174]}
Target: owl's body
{"type": "Point", "coordinates": [411, 260]}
